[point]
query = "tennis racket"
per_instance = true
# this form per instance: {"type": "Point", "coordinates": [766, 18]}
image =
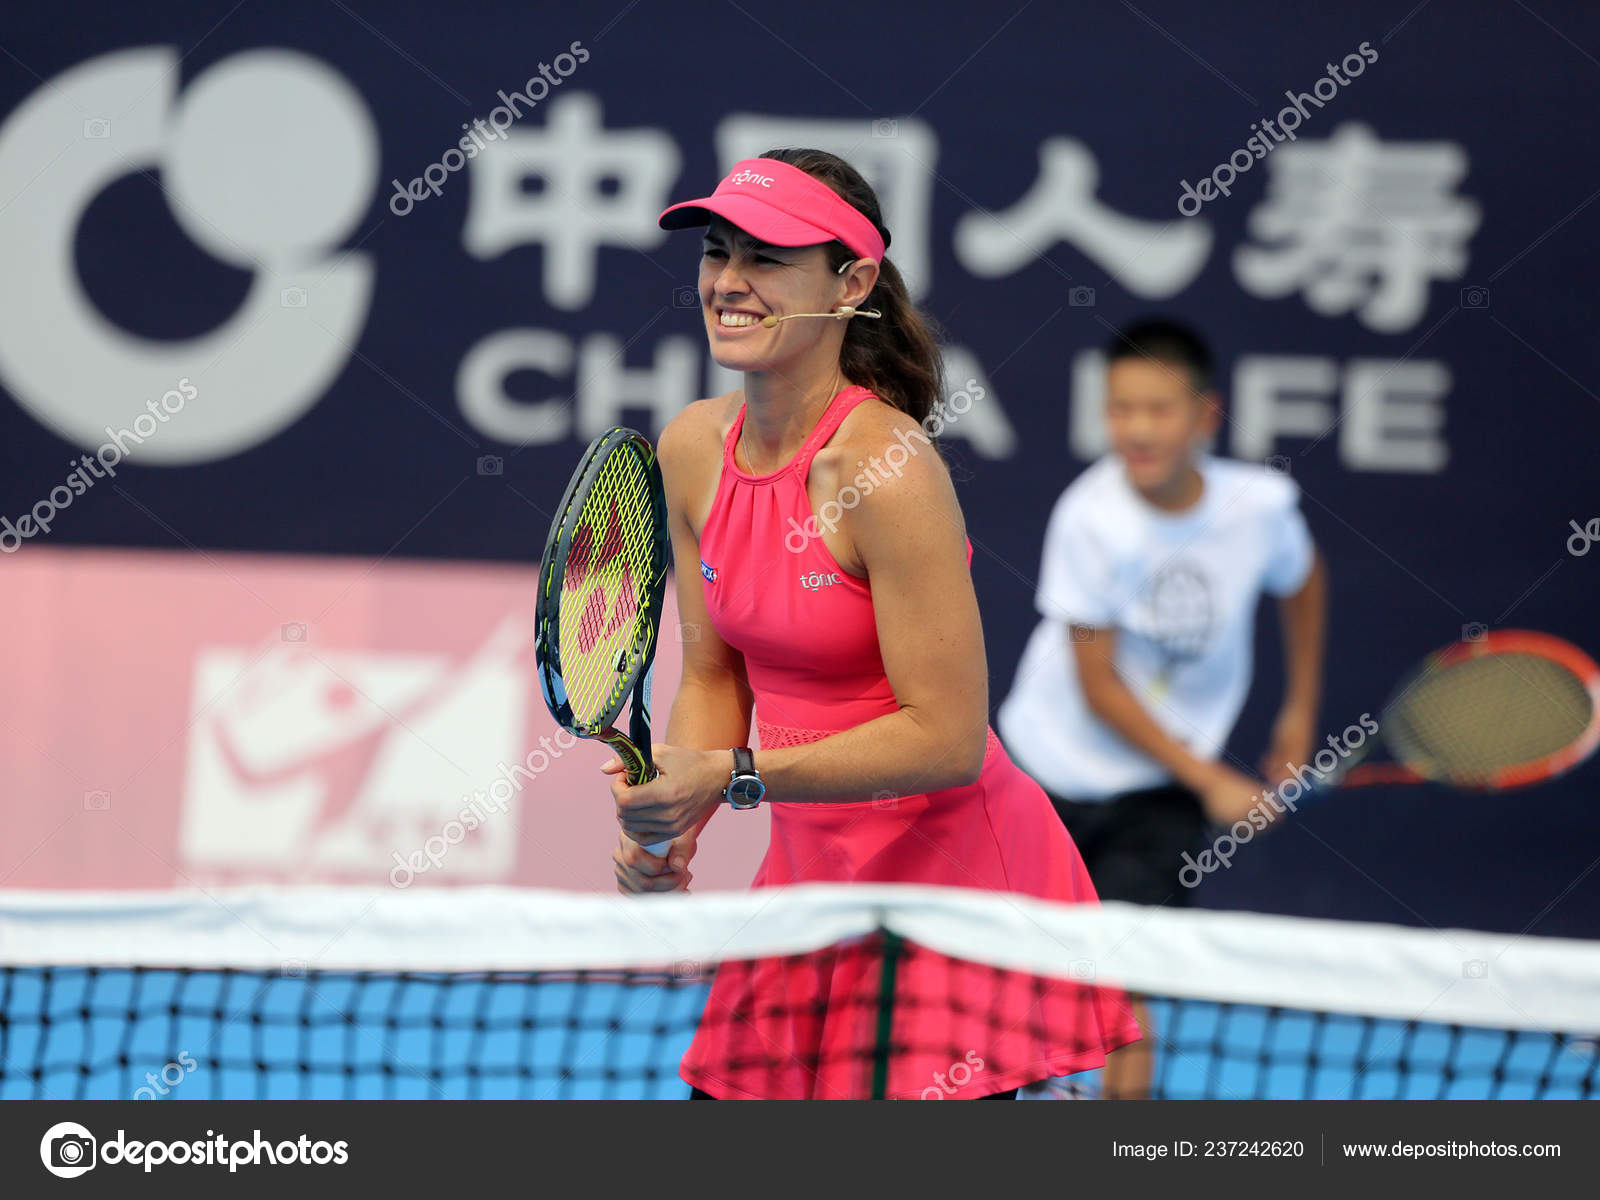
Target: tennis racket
{"type": "Point", "coordinates": [1504, 711]}
{"type": "Point", "coordinates": [601, 585]}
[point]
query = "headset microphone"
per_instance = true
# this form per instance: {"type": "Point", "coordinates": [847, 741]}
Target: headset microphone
{"type": "Point", "coordinates": [839, 314]}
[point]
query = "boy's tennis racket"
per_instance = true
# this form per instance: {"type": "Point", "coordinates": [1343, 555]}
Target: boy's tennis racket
{"type": "Point", "coordinates": [601, 585]}
{"type": "Point", "coordinates": [1504, 711]}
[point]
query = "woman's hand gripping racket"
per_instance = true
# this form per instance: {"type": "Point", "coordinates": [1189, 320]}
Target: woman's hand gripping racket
{"type": "Point", "coordinates": [601, 585]}
{"type": "Point", "coordinates": [1507, 710]}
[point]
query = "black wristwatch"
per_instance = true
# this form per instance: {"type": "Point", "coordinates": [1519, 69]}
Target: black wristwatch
{"type": "Point", "coordinates": [745, 788]}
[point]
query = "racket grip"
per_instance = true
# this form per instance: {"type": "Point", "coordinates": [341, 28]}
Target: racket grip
{"type": "Point", "coordinates": [649, 772]}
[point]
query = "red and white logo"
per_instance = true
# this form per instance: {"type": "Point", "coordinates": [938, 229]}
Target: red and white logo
{"type": "Point", "coordinates": [317, 762]}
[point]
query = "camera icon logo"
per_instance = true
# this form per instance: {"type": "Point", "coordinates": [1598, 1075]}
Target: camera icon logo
{"type": "Point", "coordinates": [1474, 297]}
{"type": "Point", "coordinates": [1081, 969]}
{"type": "Point", "coordinates": [97, 128]}
{"type": "Point", "coordinates": [685, 297]}
{"type": "Point", "coordinates": [491, 464]}
{"type": "Point", "coordinates": [1474, 631]}
{"type": "Point", "coordinates": [67, 1150]}
{"type": "Point", "coordinates": [1081, 297]}
{"type": "Point", "coordinates": [1083, 633]}
{"type": "Point", "coordinates": [884, 128]}
{"type": "Point", "coordinates": [292, 297]}
{"type": "Point", "coordinates": [1474, 968]}
{"type": "Point", "coordinates": [1278, 464]}
{"type": "Point", "coordinates": [293, 631]}
{"type": "Point", "coordinates": [688, 631]}
{"type": "Point", "coordinates": [885, 800]}
{"type": "Point", "coordinates": [97, 801]}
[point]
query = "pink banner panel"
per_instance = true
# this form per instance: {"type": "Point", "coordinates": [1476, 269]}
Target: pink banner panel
{"type": "Point", "coordinates": [182, 720]}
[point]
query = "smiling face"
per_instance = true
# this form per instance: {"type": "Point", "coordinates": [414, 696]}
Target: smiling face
{"type": "Point", "coordinates": [1157, 422]}
{"type": "Point", "coordinates": [743, 280]}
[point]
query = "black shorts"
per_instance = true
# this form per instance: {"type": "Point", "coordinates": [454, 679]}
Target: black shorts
{"type": "Point", "coordinates": [1134, 843]}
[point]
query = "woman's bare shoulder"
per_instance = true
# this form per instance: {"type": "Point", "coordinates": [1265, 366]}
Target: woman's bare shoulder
{"type": "Point", "coordinates": [868, 433]}
{"type": "Point", "coordinates": [690, 448]}
{"type": "Point", "coordinates": [694, 436]}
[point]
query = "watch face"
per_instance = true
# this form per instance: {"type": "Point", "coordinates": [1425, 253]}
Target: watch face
{"type": "Point", "coordinates": [746, 791]}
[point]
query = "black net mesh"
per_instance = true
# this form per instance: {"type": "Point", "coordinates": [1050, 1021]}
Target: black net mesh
{"type": "Point", "coordinates": [872, 1017]}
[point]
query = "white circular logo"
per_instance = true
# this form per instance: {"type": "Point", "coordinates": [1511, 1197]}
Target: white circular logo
{"type": "Point", "coordinates": [267, 160]}
{"type": "Point", "coordinates": [67, 1150]}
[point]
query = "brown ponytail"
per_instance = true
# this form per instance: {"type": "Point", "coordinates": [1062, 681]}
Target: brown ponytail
{"type": "Point", "coordinates": [896, 357]}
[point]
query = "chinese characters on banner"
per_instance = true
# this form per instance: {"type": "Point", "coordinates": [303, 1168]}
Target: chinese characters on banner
{"type": "Point", "coordinates": [1350, 223]}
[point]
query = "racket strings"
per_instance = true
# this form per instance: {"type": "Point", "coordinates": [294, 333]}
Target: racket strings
{"type": "Point", "coordinates": [605, 588]}
{"type": "Point", "coordinates": [1469, 720]}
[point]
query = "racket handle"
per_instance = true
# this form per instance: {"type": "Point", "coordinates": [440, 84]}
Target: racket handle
{"type": "Point", "coordinates": [639, 769]}
{"type": "Point", "coordinates": [648, 772]}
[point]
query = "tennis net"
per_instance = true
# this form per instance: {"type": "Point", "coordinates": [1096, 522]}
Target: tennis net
{"type": "Point", "coordinates": [824, 991]}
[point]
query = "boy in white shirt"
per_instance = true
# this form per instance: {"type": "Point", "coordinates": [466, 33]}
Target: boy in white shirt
{"type": "Point", "coordinates": [1154, 561]}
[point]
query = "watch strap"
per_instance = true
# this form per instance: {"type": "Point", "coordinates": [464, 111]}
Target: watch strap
{"type": "Point", "coordinates": [744, 762]}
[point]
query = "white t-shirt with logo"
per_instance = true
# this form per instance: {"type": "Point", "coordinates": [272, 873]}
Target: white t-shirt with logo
{"type": "Point", "coordinates": [1180, 589]}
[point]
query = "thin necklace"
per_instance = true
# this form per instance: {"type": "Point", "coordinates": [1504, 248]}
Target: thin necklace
{"type": "Point", "coordinates": [745, 447]}
{"type": "Point", "coordinates": [746, 422]}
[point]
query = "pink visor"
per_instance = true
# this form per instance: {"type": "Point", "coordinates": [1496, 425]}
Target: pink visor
{"type": "Point", "coordinates": [782, 206]}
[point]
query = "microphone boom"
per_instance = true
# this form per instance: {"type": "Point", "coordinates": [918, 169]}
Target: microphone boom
{"type": "Point", "coordinates": [839, 314]}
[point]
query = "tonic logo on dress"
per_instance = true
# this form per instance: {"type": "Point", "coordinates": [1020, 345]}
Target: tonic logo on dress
{"type": "Point", "coordinates": [818, 580]}
{"type": "Point", "coordinates": [708, 571]}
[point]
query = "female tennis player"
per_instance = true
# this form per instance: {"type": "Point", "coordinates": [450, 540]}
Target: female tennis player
{"type": "Point", "coordinates": [834, 594]}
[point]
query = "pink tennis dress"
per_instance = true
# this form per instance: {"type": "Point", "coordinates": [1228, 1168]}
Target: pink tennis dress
{"type": "Point", "coordinates": [802, 1028]}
